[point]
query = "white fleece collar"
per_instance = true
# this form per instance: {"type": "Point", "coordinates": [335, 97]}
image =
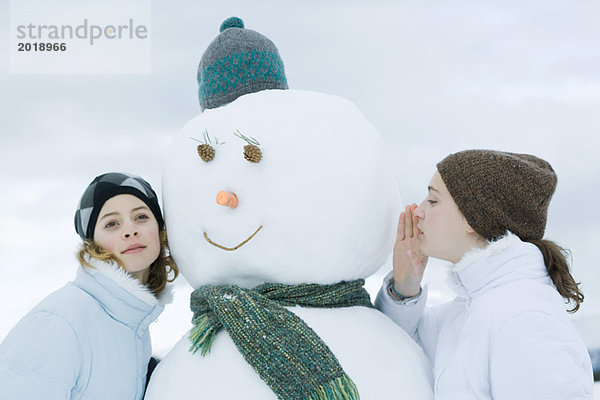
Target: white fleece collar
{"type": "Point", "coordinates": [123, 279]}
{"type": "Point", "coordinates": [505, 260]}
{"type": "Point", "coordinates": [478, 253]}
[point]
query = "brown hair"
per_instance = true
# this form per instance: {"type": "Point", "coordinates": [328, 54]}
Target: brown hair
{"type": "Point", "coordinates": [160, 269]}
{"type": "Point", "coordinates": [555, 258]}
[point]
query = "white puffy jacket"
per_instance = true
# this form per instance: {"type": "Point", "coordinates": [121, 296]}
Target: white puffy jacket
{"type": "Point", "coordinates": [506, 336]}
{"type": "Point", "coordinates": [87, 341]}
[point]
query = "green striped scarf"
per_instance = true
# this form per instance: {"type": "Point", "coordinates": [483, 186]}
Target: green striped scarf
{"type": "Point", "coordinates": [285, 352]}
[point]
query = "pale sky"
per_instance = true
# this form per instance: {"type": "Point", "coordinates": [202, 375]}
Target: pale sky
{"type": "Point", "coordinates": [434, 77]}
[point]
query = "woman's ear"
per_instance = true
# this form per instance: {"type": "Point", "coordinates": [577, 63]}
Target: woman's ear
{"type": "Point", "coordinates": [468, 228]}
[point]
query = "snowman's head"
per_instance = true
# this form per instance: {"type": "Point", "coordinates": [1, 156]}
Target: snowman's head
{"type": "Point", "coordinates": [299, 190]}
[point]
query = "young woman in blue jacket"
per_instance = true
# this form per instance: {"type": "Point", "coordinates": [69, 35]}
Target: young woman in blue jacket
{"type": "Point", "coordinates": [506, 335]}
{"type": "Point", "coordinates": [90, 339]}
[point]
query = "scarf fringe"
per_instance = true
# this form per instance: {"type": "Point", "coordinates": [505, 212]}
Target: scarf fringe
{"type": "Point", "coordinates": [342, 388]}
{"type": "Point", "coordinates": [202, 335]}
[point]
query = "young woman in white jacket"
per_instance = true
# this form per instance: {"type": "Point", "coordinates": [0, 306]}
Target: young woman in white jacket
{"type": "Point", "coordinates": [507, 335]}
{"type": "Point", "coordinates": [90, 339]}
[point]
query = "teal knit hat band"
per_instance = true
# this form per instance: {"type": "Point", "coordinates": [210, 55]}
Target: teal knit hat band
{"type": "Point", "coordinates": [239, 61]}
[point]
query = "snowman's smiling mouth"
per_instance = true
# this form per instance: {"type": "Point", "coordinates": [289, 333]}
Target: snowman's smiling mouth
{"type": "Point", "coordinates": [231, 248]}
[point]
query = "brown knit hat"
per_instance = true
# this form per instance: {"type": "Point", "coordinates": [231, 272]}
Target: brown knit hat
{"type": "Point", "coordinates": [498, 191]}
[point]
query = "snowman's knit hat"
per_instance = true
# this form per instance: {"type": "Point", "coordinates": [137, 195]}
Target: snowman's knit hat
{"type": "Point", "coordinates": [106, 186]}
{"type": "Point", "coordinates": [237, 62]}
{"type": "Point", "coordinates": [498, 191]}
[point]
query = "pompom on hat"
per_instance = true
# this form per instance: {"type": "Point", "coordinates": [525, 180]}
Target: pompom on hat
{"type": "Point", "coordinates": [499, 191]}
{"type": "Point", "coordinates": [106, 186]}
{"type": "Point", "coordinates": [239, 61]}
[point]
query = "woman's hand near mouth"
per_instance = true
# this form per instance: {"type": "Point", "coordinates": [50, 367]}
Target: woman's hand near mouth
{"type": "Point", "coordinates": [409, 263]}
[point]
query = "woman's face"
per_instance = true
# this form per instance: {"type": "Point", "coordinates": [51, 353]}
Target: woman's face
{"type": "Point", "coordinates": [127, 228]}
{"type": "Point", "coordinates": [444, 232]}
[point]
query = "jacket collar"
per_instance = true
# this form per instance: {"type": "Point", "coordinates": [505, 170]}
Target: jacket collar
{"type": "Point", "coordinates": [505, 260]}
{"type": "Point", "coordinates": [123, 297]}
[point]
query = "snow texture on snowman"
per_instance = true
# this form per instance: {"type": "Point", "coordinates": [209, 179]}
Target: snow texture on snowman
{"type": "Point", "coordinates": [279, 203]}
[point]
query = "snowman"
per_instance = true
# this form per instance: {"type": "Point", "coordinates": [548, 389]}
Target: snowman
{"type": "Point", "coordinates": [279, 203]}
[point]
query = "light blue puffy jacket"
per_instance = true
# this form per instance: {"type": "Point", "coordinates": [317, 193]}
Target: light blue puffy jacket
{"type": "Point", "coordinates": [87, 340]}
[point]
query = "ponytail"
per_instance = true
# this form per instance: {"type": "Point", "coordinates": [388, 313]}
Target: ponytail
{"type": "Point", "coordinates": [555, 258]}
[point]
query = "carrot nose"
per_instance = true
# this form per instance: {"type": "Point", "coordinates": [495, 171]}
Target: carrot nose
{"type": "Point", "coordinates": [227, 199]}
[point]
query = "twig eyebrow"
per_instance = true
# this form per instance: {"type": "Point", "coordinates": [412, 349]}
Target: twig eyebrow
{"type": "Point", "coordinates": [249, 140]}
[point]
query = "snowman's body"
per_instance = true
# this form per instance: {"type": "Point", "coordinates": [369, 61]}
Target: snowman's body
{"type": "Point", "coordinates": [319, 207]}
{"type": "Point", "coordinates": [381, 359]}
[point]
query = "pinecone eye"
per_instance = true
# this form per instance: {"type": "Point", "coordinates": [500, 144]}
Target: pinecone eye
{"type": "Point", "coordinates": [206, 152]}
{"type": "Point", "coordinates": [252, 153]}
